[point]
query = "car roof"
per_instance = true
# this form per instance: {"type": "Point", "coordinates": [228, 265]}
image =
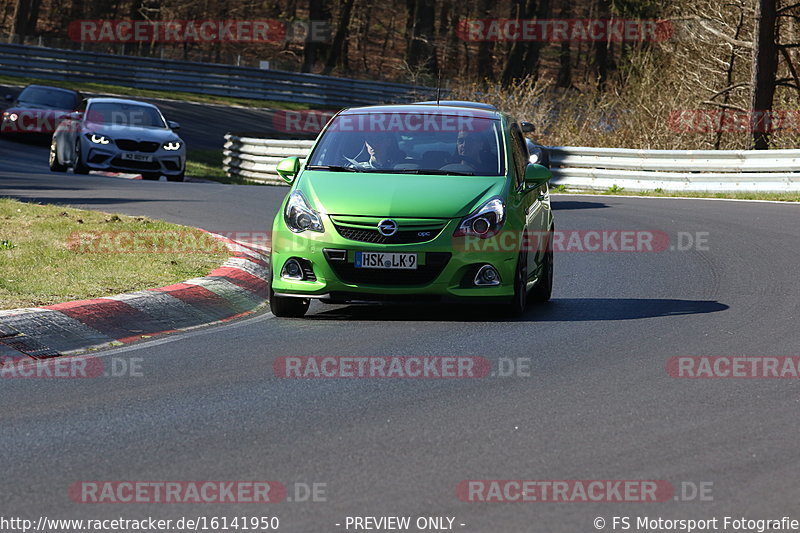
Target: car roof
{"type": "Point", "coordinates": [49, 87]}
{"type": "Point", "coordinates": [118, 101]}
{"type": "Point", "coordinates": [459, 103]}
{"type": "Point", "coordinates": [424, 109]}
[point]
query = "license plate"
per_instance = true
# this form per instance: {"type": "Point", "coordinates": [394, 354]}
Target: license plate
{"type": "Point", "coordinates": [137, 157]}
{"type": "Point", "coordinates": [386, 260]}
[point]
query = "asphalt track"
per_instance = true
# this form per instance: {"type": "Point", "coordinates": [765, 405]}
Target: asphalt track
{"type": "Point", "coordinates": [598, 403]}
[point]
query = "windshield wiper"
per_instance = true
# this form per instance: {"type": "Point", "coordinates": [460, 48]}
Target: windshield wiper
{"type": "Point", "coordinates": [423, 171]}
{"type": "Point", "coordinates": [333, 168]}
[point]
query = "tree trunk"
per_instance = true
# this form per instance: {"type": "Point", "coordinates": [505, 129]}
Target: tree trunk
{"type": "Point", "coordinates": [534, 48]}
{"type": "Point", "coordinates": [26, 14]}
{"type": "Point", "coordinates": [517, 64]}
{"type": "Point", "coordinates": [421, 52]}
{"type": "Point", "coordinates": [765, 65]}
{"type": "Point", "coordinates": [315, 51]}
{"type": "Point", "coordinates": [601, 48]}
{"type": "Point", "coordinates": [564, 78]}
{"type": "Point", "coordinates": [485, 61]}
{"type": "Point", "coordinates": [338, 53]}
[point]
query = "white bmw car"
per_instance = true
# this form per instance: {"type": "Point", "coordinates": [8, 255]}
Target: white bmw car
{"type": "Point", "coordinates": [118, 135]}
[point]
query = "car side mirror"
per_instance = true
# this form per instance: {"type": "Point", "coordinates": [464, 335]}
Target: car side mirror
{"type": "Point", "coordinates": [537, 175]}
{"type": "Point", "coordinates": [288, 168]}
{"type": "Point", "coordinates": [527, 127]}
{"type": "Point", "coordinates": [75, 115]}
{"type": "Point", "coordinates": [174, 126]}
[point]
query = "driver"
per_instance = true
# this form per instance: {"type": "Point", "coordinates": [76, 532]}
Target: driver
{"type": "Point", "coordinates": [383, 153]}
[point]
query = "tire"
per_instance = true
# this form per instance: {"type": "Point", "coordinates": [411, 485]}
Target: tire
{"type": "Point", "coordinates": [179, 177]}
{"type": "Point", "coordinates": [287, 307]}
{"type": "Point", "coordinates": [544, 287]}
{"type": "Point", "coordinates": [55, 164]}
{"type": "Point", "coordinates": [79, 167]}
{"type": "Point", "coordinates": [520, 299]}
{"type": "Point", "coordinates": [151, 176]}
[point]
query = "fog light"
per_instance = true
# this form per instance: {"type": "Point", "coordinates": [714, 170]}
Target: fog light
{"type": "Point", "coordinates": [487, 276]}
{"type": "Point", "coordinates": [292, 270]}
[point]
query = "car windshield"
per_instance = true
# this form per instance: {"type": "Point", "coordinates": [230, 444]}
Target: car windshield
{"type": "Point", "coordinates": [412, 143]}
{"type": "Point", "coordinates": [47, 97]}
{"type": "Point", "coordinates": [118, 114]}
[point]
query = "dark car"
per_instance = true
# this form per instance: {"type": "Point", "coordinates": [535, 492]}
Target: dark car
{"type": "Point", "coordinates": [37, 110]}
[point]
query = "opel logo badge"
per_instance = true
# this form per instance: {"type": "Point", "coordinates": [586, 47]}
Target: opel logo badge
{"type": "Point", "coordinates": [387, 227]}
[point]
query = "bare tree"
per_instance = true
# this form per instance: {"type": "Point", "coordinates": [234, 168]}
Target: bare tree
{"type": "Point", "coordinates": [26, 15]}
{"type": "Point", "coordinates": [765, 66]}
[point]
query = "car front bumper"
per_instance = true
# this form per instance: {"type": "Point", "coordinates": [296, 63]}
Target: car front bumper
{"type": "Point", "coordinates": [444, 272]}
{"type": "Point", "coordinates": [99, 157]}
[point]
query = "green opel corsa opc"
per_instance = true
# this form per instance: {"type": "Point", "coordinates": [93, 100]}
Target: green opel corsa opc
{"type": "Point", "coordinates": [414, 203]}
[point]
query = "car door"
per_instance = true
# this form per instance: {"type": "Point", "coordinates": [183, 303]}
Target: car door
{"type": "Point", "coordinates": [531, 201]}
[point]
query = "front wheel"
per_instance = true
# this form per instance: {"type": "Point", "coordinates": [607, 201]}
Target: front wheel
{"type": "Point", "coordinates": [179, 177]}
{"type": "Point", "coordinates": [151, 176]}
{"type": "Point", "coordinates": [544, 287]}
{"type": "Point", "coordinates": [79, 167]}
{"type": "Point", "coordinates": [286, 306]}
{"type": "Point", "coordinates": [520, 300]}
{"type": "Point", "coordinates": [55, 164]}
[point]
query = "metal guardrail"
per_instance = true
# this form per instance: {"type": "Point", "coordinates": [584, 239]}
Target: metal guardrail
{"type": "Point", "coordinates": [202, 78]}
{"type": "Point", "coordinates": [676, 170]}
{"type": "Point", "coordinates": [255, 159]}
{"type": "Point", "coordinates": [585, 168]}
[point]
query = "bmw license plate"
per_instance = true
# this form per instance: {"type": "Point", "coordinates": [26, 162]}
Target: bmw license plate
{"type": "Point", "coordinates": [137, 157]}
{"type": "Point", "coordinates": [386, 260]}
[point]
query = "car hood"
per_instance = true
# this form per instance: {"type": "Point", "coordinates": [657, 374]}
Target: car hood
{"type": "Point", "coordinates": [37, 111]}
{"type": "Point", "coordinates": [132, 132]}
{"type": "Point", "coordinates": [397, 195]}
{"type": "Point", "coordinates": [34, 107]}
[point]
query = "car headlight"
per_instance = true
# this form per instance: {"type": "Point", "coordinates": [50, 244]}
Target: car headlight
{"type": "Point", "coordinates": [98, 139]}
{"type": "Point", "coordinates": [536, 156]}
{"type": "Point", "coordinates": [299, 216]}
{"type": "Point", "coordinates": [484, 222]}
{"type": "Point", "coordinates": [10, 116]}
{"type": "Point", "coordinates": [172, 146]}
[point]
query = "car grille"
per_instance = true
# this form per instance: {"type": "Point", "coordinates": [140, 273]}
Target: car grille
{"type": "Point", "coordinates": [407, 233]}
{"type": "Point", "coordinates": [422, 275]}
{"type": "Point", "coordinates": [138, 165]}
{"type": "Point", "coordinates": [135, 146]}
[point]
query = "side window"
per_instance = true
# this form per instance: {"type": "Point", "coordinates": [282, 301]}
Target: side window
{"type": "Point", "coordinates": [519, 153]}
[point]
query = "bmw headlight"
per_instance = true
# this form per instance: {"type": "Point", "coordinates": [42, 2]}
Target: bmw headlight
{"type": "Point", "coordinates": [12, 117]}
{"type": "Point", "coordinates": [484, 222]}
{"type": "Point", "coordinates": [173, 145]}
{"type": "Point", "coordinates": [98, 139]}
{"type": "Point", "coordinates": [299, 216]}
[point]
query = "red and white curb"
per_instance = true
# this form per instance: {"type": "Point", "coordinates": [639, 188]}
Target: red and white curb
{"type": "Point", "coordinates": [237, 288]}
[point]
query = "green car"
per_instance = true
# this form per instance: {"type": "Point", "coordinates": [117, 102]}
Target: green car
{"type": "Point", "coordinates": [422, 202]}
